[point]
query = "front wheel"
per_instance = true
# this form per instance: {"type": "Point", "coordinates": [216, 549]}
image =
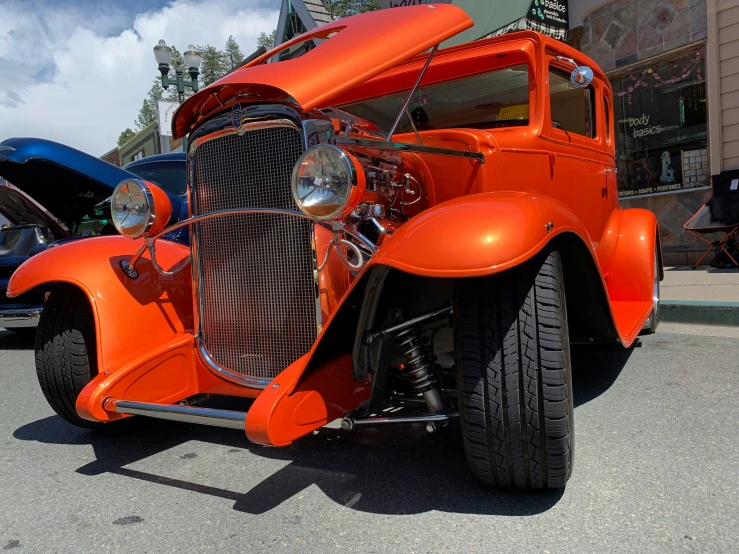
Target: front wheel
{"type": "Point", "coordinates": [513, 375]}
{"type": "Point", "coordinates": [65, 351]}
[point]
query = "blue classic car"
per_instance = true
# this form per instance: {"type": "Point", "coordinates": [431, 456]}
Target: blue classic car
{"type": "Point", "coordinates": [55, 193]}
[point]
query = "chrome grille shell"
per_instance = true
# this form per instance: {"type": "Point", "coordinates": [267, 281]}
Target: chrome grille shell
{"type": "Point", "coordinates": [255, 277]}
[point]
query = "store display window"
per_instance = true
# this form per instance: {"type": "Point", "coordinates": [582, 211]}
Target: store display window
{"type": "Point", "coordinates": [661, 126]}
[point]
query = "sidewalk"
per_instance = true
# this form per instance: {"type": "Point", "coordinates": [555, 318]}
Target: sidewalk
{"type": "Point", "coordinates": [705, 295]}
{"type": "Point", "coordinates": [704, 284]}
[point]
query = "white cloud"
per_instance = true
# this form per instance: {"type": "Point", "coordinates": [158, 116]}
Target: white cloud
{"type": "Point", "coordinates": [93, 82]}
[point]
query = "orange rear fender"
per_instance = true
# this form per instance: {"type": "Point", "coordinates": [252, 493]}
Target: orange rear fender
{"type": "Point", "coordinates": [626, 254]}
{"type": "Point", "coordinates": [132, 316]}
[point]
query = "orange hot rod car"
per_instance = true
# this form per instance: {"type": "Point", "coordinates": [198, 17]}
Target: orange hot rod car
{"type": "Point", "coordinates": [384, 232]}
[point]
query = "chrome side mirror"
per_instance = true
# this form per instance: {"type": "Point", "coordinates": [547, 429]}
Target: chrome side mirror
{"type": "Point", "coordinates": [582, 75]}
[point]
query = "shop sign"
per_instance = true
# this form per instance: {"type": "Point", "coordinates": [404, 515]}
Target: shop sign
{"type": "Point", "coordinates": [642, 126]}
{"type": "Point", "coordinates": [550, 17]}
{"type": "Point", "coordinates": [550, 12]}
{"type": "Point", "coordinates": [165, 111]}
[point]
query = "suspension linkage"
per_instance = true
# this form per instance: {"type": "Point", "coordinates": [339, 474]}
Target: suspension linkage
{"type": "Point", "coordinates": [392, 330]}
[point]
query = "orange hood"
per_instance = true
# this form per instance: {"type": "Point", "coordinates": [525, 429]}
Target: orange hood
{"type": "Point", "coordinates": [361, 47]}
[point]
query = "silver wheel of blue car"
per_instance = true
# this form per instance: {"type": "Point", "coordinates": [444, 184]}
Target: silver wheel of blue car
{"type": "Point", "coordinates": [514, 383]}
{"type": "Point", "coordinates": [65, 351]}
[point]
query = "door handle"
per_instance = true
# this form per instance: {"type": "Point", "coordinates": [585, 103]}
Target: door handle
{"type": "Point", "coordinates": [608, 171]}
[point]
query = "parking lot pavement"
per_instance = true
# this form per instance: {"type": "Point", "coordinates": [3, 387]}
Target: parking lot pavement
{"type": "Point", "coordinates": [656, 470]}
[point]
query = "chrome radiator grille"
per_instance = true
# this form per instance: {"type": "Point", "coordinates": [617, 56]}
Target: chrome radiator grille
{"type": "Point", "coordinates": [257, 291]}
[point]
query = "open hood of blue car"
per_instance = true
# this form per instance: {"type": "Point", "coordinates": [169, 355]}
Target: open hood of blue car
{"type": "Point", "coordinates": [67, 182]}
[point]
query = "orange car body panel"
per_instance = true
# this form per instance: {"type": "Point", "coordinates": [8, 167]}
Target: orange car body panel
{"type": "Point", "coordinates": [162, 209]}
{"type": "Point", "coordinates": [323, 73]}
{"type": "Point", "coordinates": [132, 316]}
{"type": "Point", "coordinates": [537, 183]}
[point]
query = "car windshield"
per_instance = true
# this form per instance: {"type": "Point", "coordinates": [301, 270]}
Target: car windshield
{"type": "Point", "coordinates": [170, 176]}
{"type": "Point", "coordinates": [494, 99]}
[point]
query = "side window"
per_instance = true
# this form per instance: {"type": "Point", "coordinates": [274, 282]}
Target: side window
{"type": "Point", "coordinates": [607, 107]}
{"type": "Point", "coordinates": [573, 109]}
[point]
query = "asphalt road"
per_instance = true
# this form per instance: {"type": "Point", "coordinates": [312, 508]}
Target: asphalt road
{"type": "Point", "coordinates": [656, 470]}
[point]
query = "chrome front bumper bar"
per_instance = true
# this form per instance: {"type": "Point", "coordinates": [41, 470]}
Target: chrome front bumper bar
{"type": "Point", "coordinates": [19, 318]}
{"type": "Point", "coordinates": [177, 412]}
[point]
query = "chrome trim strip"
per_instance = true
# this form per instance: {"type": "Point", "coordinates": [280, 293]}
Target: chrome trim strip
{"type": "Point", "coordinates": [149, 242]}
{"type": "Point", "coordinates": [187, 414]}
{"type": "Point", "coordinates": [419, 148]}
{"type": "Point", "coordinates": [20, 318]}
{"type": "Point", "coordinates": [249, 126]}
{"type": "Point", "coordinates": [227, 374]}
{"type": "Point", "coordinates": [316, 270]}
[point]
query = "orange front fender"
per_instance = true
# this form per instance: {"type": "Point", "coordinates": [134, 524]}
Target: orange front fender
{"type": "Point", "coordinates": [478, 235]}
{"type": "Point", "coordinates": [132, 316]}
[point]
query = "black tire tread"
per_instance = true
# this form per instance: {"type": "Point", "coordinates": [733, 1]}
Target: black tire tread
{"type": "Point", "coordinates": [65, 351]}
{"type": "Point", "coordinates": [513, 375]}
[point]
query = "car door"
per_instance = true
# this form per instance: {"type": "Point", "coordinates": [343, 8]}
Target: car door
{"type": "Point", "coordinates": [583, 174]}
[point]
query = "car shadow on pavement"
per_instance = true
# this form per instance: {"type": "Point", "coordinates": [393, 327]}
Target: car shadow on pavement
{"type": "Point", "coordinates": [10, 340]}
{"type": "Point", "coordinates": [386, 470]}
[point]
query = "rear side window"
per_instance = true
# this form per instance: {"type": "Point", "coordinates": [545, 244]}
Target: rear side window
{"type": "Point", "coordinates": [607, 107]}
{"type": "Point", "coordinates": [573, 109]}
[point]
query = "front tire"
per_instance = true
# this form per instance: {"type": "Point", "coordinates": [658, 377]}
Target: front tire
{"type": "Point", "coordinates": [65, 351]}
{"type": "Point", "coordinates": [514, 381]}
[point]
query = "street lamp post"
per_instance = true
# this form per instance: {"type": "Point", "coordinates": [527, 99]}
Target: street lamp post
{"type": "Point", "coordinates": [163, 56]}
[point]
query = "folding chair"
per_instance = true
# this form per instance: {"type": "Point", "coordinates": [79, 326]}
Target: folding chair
{"type": "Point", "coordinates": [719, 215]}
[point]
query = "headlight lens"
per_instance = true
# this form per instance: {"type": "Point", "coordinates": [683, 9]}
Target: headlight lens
{"type": "Point", "coordinates": [131, 208]}
{"type": "Point", "coordinates": [325, 182]}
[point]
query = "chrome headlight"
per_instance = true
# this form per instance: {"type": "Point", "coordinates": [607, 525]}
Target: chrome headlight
{"type": "Point", "coordinates": [132, 208]}
{"type": "Point", "coordinates": [327, 182]}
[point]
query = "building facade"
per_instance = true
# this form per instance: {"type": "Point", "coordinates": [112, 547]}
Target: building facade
{"type": "Point", "coordinates": [145, 143]}
{"type": "Point", "coordinates": [657, 54]}
{"type": "Point", "coordinates": [723, 72]}
{"type": "Point", "coordinates": [112, 157]}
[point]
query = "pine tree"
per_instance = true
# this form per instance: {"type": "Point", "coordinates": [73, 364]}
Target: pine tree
{"type": "Point", "coordinates": [233, 53]}
{"type": "Point", "coordinates": [125, 136]}
{"type": "Point", "coordinates": [147, 116]}
{"type": "Point", "coordinates": [214, 64]}
{"type": "Point", "coordinates": [344, 8]}
{"type": "Point", "coordinates": [148, 112]}
{"type": "Point", "coordinates": [267, 40]}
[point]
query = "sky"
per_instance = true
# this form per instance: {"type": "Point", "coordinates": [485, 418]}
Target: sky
{"type": "Point", "coordinates": [77, 71]}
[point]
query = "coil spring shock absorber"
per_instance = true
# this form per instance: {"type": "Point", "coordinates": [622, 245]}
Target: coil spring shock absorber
{"type": "Point", "coordinates": [418, 358]}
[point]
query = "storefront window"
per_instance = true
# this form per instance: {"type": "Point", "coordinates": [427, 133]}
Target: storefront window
{"type": "Point", "coordinates": [661, 126]}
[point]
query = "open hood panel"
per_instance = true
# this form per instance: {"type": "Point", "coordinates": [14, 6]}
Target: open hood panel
{"type": "Point", "coordinates": [352, 51]}
{"type": "Point", "coordinates": [66, 181]}
{"type": "Point", "coordinates": [19, 209]}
